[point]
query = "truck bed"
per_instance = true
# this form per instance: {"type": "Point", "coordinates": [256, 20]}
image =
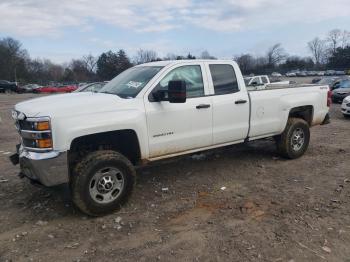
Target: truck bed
{"type": "Point", "coordinates": [270, 107]}
{"type": "Point", "coordinates": [278, 86]}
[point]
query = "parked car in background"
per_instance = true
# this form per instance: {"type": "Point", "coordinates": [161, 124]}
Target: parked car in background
{"type": "Point", "coordinates": [311, 73]}
{"type": "Point", "coordinates": [339, 73]}
{"type": "Point", "coordinates": [56, 89]}
{"type": "Point", "coordinates": [260, 82]}
{"type": "Point", "coordinates": [45, 89]}
{"type": "Point", "coordinates": [341, 92]}
{"type": "Point", "coordinates": [276, 74]}
{"type": "Point", "coordinates": [329, 73]}
{"type": "Point", "coordinates": [291, 74]}
{"type": "Point", "coordinates": [332, 82]}
{"type": "Point", "coordinates": [29, 88]}
{"type": "Point", "coordinates": [316, 80]}
{"type": "Point", "coordinates": [66, 89]}
{"type": "Point", "coordinates": [345, 107]}
{"type": "Point", "coordinates": [92, 87]}
{"type": "Point", "coordinates": [320, 73]}
{"type": "Point", "coordinates": [302, 73]}
{"type": "Point", "coordinates": [7, 87]}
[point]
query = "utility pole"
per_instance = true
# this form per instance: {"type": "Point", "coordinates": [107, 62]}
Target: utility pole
{"type": "Point", "coordinates": [16, 75]}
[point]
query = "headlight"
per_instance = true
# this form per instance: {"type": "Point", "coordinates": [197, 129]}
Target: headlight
{"type": "Point", "coordinates": [36, 133]}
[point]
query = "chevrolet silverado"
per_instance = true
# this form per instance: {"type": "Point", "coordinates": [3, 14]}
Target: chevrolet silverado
{"type": "Point", "coordinates": [93, 141]}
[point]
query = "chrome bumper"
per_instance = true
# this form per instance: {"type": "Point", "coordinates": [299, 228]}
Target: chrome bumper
{"type": "Point", "coordinates": [49, 168]}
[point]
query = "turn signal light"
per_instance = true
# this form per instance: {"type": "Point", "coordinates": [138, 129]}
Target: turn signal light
{"type": "Point", "coordinates": [44, 143]}
{"type": "Point", "coordinates": [42, 126]}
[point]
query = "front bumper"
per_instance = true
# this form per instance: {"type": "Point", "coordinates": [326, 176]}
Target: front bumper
{"type": "Point", "coordinates": [49, 168]}
{"type": "Point", "coordinates": [345, 109]}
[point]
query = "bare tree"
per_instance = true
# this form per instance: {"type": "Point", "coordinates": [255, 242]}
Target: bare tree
{"type": "Point", "coordinates": [170, 56]}
{"type": "Point", "coordinates": [205, 55]}
{"type": "Point", "coordinates": [345, 39]}
{"type": "Point", "coordinates": [145, 56]}
{"type": "Point", "coordinates": [246, 62]}
{"type": "Point", "coordinates": [318, 50]}
{"type": "Point", "coordinates": [334, 38]}
{"type": "Point", "coordinates": [12, 59]}
{"type": "Point", "coordinates": [276, 54]}
{"type": "Point", "coordinates": [90, 63]}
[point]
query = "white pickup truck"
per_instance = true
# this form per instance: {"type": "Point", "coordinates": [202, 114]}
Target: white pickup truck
{"type": "Point", "coordinates": [254, 83]}
{"type": "Point", "coordinates": [154, 111]}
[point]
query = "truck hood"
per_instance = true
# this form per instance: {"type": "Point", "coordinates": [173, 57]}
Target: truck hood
{"type": "Point", "coordinates": [74, 104]}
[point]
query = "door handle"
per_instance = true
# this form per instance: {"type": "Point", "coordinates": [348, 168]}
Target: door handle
{"type": "Point", "coordinates": [201, 106]}
{"type": "Point", "coordinates": [240, 102]}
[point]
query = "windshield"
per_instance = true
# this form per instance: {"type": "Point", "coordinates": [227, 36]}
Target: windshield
{"type": "Point", "coordinates": [129, 83]}
{"type": "Point", "coordinates": [344, 84]}
{"type": "Point", "coordinates": [326, 81]}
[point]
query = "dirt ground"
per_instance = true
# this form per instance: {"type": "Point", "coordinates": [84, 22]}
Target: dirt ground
{"type": "Point", "coordinates": [241, 203]}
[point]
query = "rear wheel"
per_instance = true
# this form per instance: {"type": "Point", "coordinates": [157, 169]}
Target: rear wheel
{"type": "Point", "coordinates": [294, 140]}
{"type": "Point", "coordinates": [346, 116]}
{"type": "Point", "coordinates": [102, 182]}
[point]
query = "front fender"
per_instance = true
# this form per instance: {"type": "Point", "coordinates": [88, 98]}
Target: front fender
{"type": "Point", "coordinates": [66, 129]}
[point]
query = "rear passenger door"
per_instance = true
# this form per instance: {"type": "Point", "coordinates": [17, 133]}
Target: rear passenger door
{"type": "Point", "coordinates": [230, 104]}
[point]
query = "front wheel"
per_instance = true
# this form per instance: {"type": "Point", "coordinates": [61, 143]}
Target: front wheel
{"type": "Point", "coordinates": [102, 182]}
{"type": "Point", "coordinates": [294, 140]}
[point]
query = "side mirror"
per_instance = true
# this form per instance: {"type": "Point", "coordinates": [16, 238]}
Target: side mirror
{"type": "Point", "coordinates": [159, 95]}
{"type": "Point", "coordinates": [177, 91]}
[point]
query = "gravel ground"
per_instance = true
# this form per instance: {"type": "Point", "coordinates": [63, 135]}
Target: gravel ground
{"type": "Point", "coordinates": [241, 203]}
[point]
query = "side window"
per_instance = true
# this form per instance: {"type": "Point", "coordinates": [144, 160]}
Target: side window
{"type": "Point", "coordinates": [96, 87]}
{"type": "Point", "coordinates": [224, 79]}
{"type": "Point", "coordinates": [264, 79]}
{"type": "Point", "coordinates": [256, 81]}
{"type": "Point", "coordinates": [90, 88]}
{"type": "Point", "coordinates": [192, 74]}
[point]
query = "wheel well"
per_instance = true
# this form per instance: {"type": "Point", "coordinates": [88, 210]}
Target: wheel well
{"type": "Point", "coordinates": [123, 141]}
{"type": "Point", "coordinates": [303, 112]}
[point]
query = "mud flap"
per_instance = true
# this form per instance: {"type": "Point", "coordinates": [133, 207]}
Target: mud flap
{"type": "Point", "coordinates": [326, 120]}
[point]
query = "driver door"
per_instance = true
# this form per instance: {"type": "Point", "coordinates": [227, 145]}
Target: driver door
{"type": "Point", "coordinates": [179, 127]}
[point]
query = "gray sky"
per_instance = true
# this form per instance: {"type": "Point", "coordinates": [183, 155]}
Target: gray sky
{"type": "Point", "coordinates": [65, 29]}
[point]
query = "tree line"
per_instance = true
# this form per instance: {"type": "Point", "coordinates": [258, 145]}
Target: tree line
{"type": "Point", "coordinates": [17, 65]}
{"type": "Point", "coordinates": [332, 52]}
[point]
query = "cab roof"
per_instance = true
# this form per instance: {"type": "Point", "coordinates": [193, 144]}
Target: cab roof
{"type": "Point", "coordinates": [173, 62]}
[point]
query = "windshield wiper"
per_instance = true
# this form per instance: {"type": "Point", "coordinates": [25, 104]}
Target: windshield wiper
{"type": "Point", "coordinates": [110, 93]}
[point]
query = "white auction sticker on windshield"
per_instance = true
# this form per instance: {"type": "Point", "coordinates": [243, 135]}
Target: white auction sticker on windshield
{"type": "Point", "coordinates": [134, 84]}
